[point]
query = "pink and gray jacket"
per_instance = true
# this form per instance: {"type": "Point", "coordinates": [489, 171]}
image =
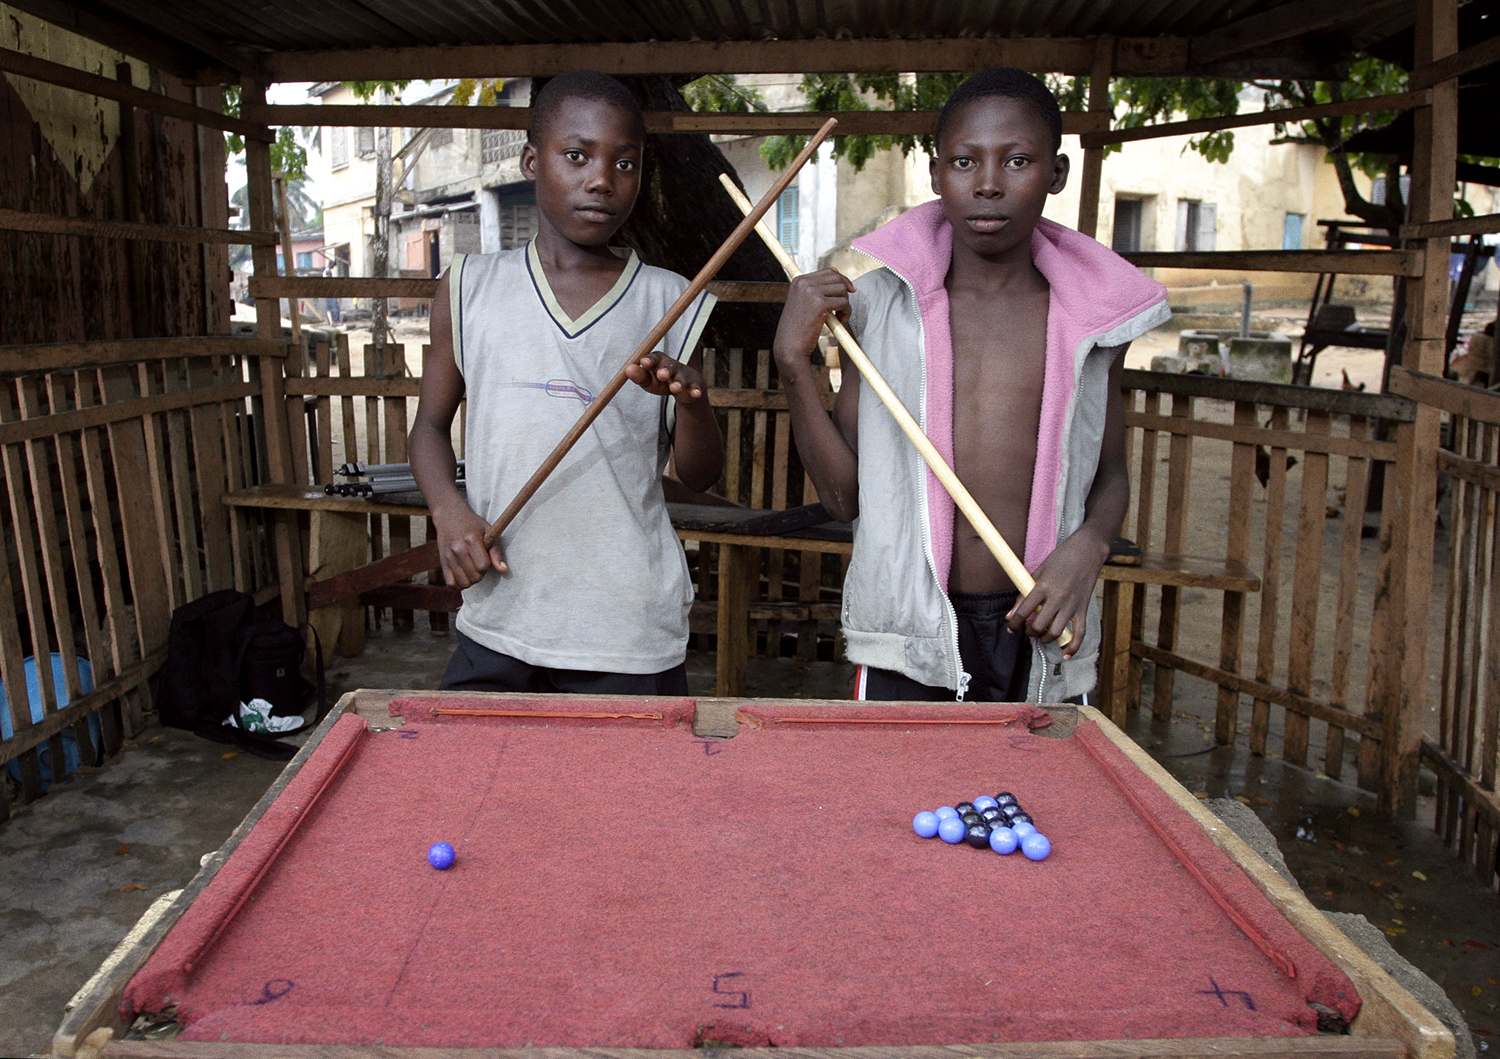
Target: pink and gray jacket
{"type": "Point", "coordinates": [896, 613]}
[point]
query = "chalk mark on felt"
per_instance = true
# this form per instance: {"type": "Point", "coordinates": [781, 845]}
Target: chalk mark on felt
{"type": "Point", "coordinates": [275, 989]}
{"type": "Point", "coordinates": [1221, 993]}
{"type": "Point", "coordinates": [710, 747]}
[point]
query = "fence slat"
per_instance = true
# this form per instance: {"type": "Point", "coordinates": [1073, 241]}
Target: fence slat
{"type": "Point", "coordinates": [1270, 585]}
{"type": "Point", "coordinates": [1236, 549]}
{"type": "Point", "coordinates": [1179, 477]}
{"type": "Point", "coordinates": [1356, 479]}
{"type": "Point", "coordinates": [37, 460]}
{"type": "Point", "coordinates": [1306, 578]}
{"type": "Point", "coordinates": [101, 661]}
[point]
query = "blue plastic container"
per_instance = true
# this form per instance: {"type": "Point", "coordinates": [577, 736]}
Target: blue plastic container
{"type": "Point", "coordinates": [71, 758]}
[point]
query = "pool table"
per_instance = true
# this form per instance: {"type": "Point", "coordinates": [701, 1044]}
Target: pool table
{"type": "Point", "coordinates": [653, 876]}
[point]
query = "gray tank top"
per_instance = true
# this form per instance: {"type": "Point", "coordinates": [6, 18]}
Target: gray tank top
{"type": "Point", "coordinates": [597, 577]}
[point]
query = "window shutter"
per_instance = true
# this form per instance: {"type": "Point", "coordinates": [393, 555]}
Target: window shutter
{"type": "Point", "coordinates": [366, 142]}
{"type": "Point", "coordinates": [338, 148]}
{"type": "Point", "coordinates": [1208, 226]}
{"type": "Point", "coordinates": [1291, 232]}
{"type": "Point", "coordinates": [1184, 212]}
{"type": "Point", "coordinates": [1127, 232]}
{"type": "Point", "coordinates": [788, 226]}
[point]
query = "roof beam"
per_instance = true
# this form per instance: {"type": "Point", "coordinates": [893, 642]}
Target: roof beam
{"type": "Point", "coordinates": [851, 123]}
{"type": "Point", "coordinates": [187, 63]}
{"type": "Point", "coordinates": [1293, 19]}
{"type": "Point", "coordinates": [15, 62]}
{"type": "Point", "coordinates": [156, 21]}
{"type": "Point", "coordinates": [1472, 58]}
{"type": "Point", "coordinates": [1135, 56]}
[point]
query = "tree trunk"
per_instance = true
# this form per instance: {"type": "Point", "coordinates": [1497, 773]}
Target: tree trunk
{"type": "Point", "coordinates": [683, 215]}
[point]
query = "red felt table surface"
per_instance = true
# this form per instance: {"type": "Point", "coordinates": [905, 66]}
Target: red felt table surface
{"type": "Point", "coordinates": [627, 884]}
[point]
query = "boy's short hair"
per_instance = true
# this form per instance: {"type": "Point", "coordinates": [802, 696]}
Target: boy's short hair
{"type": "Point", "coordinates": [578, 84]}
{"type": "Point", "coordinates": [1009, 83]}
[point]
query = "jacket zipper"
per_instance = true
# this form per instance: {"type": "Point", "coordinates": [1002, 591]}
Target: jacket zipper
{"type": "Point", "coordinates": [962, 678]}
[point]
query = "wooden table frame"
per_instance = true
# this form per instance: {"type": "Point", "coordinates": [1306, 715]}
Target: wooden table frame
{"type": "Point", "coordinates": [1390, 1025]}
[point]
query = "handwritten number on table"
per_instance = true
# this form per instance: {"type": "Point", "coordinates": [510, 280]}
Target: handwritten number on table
{"type": "Point", "coordinates": [710, 746]}
{"type": "Point", "coordinates": [742, 996]}
{"type": "Point", "coordinates": [275, 989]}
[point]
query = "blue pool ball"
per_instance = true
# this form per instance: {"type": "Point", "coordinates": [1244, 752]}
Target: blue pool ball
{"type": "Point", "coordinates": [1036, 846]}
{"type": "Point", "coordinates": [925, 824]}
{"type": "Point", "coordinates": [1003, 840]}
{"type": "Point", "coordinates": [984, 801]}
{"type": "Point", "coordinates": [952, 830]}
{"type": "Point", "coordinates": [441, 856]}
{"type": "Point", "coordinates": [947, 811]}
{"type": "Point", "coordinates": [1022, 830]}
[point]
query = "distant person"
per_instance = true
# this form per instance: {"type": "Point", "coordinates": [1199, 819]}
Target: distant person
{"type": "Point", "coordinates": [590, 591]}
{"type": "Point", "coordinates": [1005, 335]}
{"type": "Point", "coordinates": [331, 303]}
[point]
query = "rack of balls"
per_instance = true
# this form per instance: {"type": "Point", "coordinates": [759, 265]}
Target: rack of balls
{"type": "Point", "coordinates": [997, 823]}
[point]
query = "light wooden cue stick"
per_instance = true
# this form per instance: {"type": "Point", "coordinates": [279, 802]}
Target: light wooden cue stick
{"type": "Point", "coordinates": [705, 275]}
{"type": "Point", "coordinates": [1013, 567]}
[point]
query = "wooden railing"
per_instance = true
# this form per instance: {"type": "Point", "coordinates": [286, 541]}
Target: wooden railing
{"type": "Point", "coordinates": [1275, 477]}
{"type": "Point", "coordinates": [797, 592]}
{"type": "Point", "coordinates": [1464, 751]}
{"type": "Point", "coordinates": [112, 475]}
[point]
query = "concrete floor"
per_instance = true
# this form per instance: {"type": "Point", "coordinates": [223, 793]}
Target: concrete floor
{"type": "Point", "coordinates": [78, 867]}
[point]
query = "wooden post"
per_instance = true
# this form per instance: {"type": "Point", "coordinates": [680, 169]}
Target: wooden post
{"type": "Point", "coordinates": [1093, 157]}
{"type": "Point", "coordinates": [1398, 663]}
{"type": "Point", "coordinates": [273, 383]}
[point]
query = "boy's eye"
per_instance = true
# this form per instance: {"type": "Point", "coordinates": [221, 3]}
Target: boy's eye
{"type": "Point", "coordinates": [1017, 163]}
{"type": "Point", "coordinates": [573, 155]}
{"type": "Point", "coordinates": [963, 163]}
{"type": "Point", "coordinates": [625, 165]}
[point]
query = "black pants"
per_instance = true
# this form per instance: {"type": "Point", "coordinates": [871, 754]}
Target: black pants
{"type": "Point", "coordinates": [997, 660]}
{"type": "Point", "coordinates": [475, 667]}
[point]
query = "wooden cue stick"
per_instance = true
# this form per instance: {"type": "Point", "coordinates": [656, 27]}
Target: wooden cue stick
{"type": "Point", "coordinates": [705, 275]}
{"type": "Point", "coordinates": [1009, 562]}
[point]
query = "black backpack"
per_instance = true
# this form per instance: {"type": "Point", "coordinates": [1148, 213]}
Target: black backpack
{"type": "Point", "coordinates": [219, 655]}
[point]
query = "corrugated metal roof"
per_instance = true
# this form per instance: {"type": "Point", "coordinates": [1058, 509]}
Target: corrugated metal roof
{"type": "Point", "coordinates": [302, 25]}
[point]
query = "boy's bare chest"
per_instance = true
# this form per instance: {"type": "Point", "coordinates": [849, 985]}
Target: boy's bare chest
{"type": "Point", "coordinates": [999, 365]}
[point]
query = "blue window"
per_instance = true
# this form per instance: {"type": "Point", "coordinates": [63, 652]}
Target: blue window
{"type": "Point", "coordinates": [1291, 232]}
{"type": "Point", "coordinates": [788, 229]}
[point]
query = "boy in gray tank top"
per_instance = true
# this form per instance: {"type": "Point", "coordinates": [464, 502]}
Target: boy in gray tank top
{"type": "Point", "coordinates": [588, 590]}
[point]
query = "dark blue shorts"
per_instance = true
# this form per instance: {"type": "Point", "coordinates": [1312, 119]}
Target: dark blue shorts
{"type": "Point", "coordinates": [997, 660]}
{"type": "Point", "coordinates": [475, 667]}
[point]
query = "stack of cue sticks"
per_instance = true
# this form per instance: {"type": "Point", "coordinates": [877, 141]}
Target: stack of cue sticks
{"type": "Point", "coordinates": [1008, 560]}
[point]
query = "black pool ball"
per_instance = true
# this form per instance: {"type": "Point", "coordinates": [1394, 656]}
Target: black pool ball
{"type": "Point", "coordinates": [1022, 818]}
{"type": "Point", "coordinates": [991, 814]}
{"type": "Point", "coordinates": [964, 807]}
{"type": "Point", "coordinates": [971, 818]}
{"type": "Point", "coordinates": [1006, 798]}
{"type": "Point", "coordinates": [1011, 811]}
{"type": "Point", "coordinates": [978, 836]}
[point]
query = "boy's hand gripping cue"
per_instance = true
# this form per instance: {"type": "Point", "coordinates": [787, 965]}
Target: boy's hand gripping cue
{"type": "Point", "coordinates": [705, 275]}
{"type": "Point", "coordinates": [1013, 567]}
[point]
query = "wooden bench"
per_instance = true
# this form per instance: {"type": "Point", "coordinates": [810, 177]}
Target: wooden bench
{"type": "Point", "coordinates": [338, 544]}
{"type": "Point", "coordinates": [1119, 689]}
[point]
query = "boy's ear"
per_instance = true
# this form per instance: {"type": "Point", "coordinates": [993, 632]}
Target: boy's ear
{"type": "Point", "coordinates": [528, 162]}
{"type": "Point", "coordinates": [932, 168]}
{"type": "Point", "coordinates": [1060, 169]}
